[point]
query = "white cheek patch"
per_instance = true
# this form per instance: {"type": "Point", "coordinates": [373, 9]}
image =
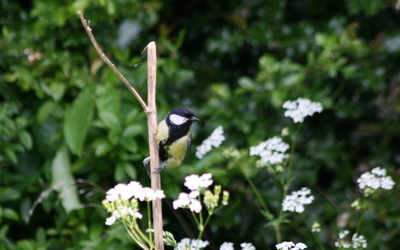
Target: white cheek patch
{"type": "Point", "coordinates": [177, 119]}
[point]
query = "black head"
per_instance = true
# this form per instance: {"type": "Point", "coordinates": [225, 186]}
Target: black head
{"type": "Point", "coordinates": [180, 117]}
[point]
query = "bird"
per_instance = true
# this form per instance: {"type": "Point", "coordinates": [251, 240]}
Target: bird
{"type": "Point", "coordinates": [173, 139]}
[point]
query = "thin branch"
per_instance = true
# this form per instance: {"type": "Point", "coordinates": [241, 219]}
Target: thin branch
{"type": "Point", "coordinates": [86, 25]}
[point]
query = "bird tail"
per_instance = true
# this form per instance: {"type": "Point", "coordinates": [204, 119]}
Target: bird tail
{"type": "Point", "coordinates": [146, 163]}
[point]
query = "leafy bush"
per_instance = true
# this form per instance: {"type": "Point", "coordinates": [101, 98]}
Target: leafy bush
{"type": "Point", "coordinates": [69, 129]}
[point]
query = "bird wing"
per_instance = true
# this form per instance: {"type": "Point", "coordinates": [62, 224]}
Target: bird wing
{"type": "Point", "coordinates": [162, 132]}
{"type": "Point", "coordinates": [189, 141]}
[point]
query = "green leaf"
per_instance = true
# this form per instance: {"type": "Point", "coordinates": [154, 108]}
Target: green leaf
{"type": "Point", "coordinates": [110, 120]}
{"type": "Point", "coordinates": [26, 139]}
{"type": "Point", "coordinates": [44, 111]}
{"type": "Point", "coordinates": [108, 105]}
{"type": "Point", "coordinates": [9, 194]}
{"type": "Point", "coordinates": [113, 136]}
{"type": "Point", "coordinates": [10, 214]}
{"type": "Point", "coordinates": [57, 91]}
{"type": "Point", "coordinates": [246, 83]}
{"type": "Point", "coordinates": [133, 130]}
{"type": "Point", "coordinates": [40, 236]}
{"type": "Point", "coordinates": [11, 155]}
{"type": "Point", "coordinates": [77, 120]}
{"type": "Point", "coordinates": [26, 245]}
{"type": "Point", "coordinates": [119, 173]}
{"type": "Point", "coordinates": [3, 231]}
{"type": "Point", "coordinates": [62, 180]}
{"type": "Point", "coordinates": [130, 170]}
{"type": "Point", "coordinates": [129, 144]}
{"type": "Point", "coordinates": [102, 147]}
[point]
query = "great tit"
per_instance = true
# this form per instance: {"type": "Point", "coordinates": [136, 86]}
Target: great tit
{"type": "Point", "coordinates": [173, 139]}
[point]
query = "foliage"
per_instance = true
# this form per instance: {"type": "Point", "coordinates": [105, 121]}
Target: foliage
{"type": "Point", "coordinates": [69, 129]}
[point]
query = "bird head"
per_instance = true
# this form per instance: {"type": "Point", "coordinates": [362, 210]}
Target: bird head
{"type": "Point", "coordinates": [180, 117]}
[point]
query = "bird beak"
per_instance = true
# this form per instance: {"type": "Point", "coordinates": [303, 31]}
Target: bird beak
{"type": "Point", "coordinates": [194, 118]}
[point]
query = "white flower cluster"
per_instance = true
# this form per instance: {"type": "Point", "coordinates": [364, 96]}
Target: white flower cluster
{"type": "Point", "coordinates": [215, 139]}
{"type": "Point", "coordinates": [133, 190]}
{"type": "Point", "coordinates": [288, 245]}
{"type": "Point", "coordinates": [357, 241]}
{"type": "Point", "coordinates": [118, 200]}
{"type": "Point", "coordinates": [121, 212]}
{"type": "Point", "coordinates": [247, 246]}
{"type": "Point", "coordinates": [300, 108]}
{"type": "Point", "coordinates": [376, 179]}
{"type": "Point", "coordinates": [271, 151]}
{"type": "Point", "coordinates": [190, 200]}
{"type": "Point", "coordinates": [188, 244]}
{"type": "Point", "coordinates": [296, 200]}
{"type": "Point", "coordinates": [194, 183]}
{"type": "Point", "coordinates": [229, 246]}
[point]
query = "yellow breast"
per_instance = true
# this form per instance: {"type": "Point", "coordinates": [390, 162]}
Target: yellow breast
{"type": "Point", "coordinates": [176, 151]}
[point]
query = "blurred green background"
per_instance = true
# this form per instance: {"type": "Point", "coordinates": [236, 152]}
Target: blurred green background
{"type": "Point", "coordinates": [70, 130]}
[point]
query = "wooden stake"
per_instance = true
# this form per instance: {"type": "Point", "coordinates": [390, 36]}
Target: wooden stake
{"type": "Point", "coordinates": [154, 158]}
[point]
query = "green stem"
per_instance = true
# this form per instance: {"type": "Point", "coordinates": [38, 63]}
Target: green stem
{"type": "Point", "coordinates": [286, 183]}
{"type": "Point", "coordinates": [291, 157]}
{"type": "Point", "coordinates": [204, 226]}
{"type": "Point", "coordinates": [278, 232]}
{"type": "Point", "coordinates": [313, 234]}
{"type": "Point", "coordinates": [266, 209]}
{"type": "Point", "coordinates": [361, 218]}
{"type": "Point", "coordinates": [149, 225]}
{"type": "Point", "coordinates": [200, 224]}
{"type": "Point", "coordinates": [255, 189]}
{"type": "Point", "coordinates": [134, 234]}
{"type": "Point", "coordinates": [195, 218]}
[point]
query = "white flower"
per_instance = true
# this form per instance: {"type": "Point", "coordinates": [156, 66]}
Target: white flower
{"type": "Point", "coordinates": [114, 193]}
{"type": "Point", "coordinates": [215, 139]}
{"type": "Point", "coordinates": [296, 200]}
{"type": "Point", "coordinates": [357, 241]}
{"type": "Point", "coordinates": [159, 194]}
{"type": "Point", "coordinates": [194, 194]}
{"type": "Point", "coordinates": [272, 151]}
{"type": "Point", "coordinates": [226, 246]}
{"type": "Point", "coordinates": [379, 171]}
{"type": "Point", "coordinates": [194, 182]}
{"type": "Point", "coordinates": [149, 194]}
{"type": "Point", "coordinates": [188, 201]}
{"type": "Point", "coordinates": [247, 246]}
{"type": "Point", "coordinates": [299, 109]}
{"type": "Point", "coordinates": [123, 211]}
{"type": "Point", "coordinates": [182, 201]}
{"type": "Point", "coordinates": [195, 206]}
{"type": "Point", "coordinates": [197, 244]}
{"type": "Point", "coordinates": [376, 179]}
{"type": "Point", "coordinates": [288, 245]}
{"type": "Point", "coordinates": [194, 244]}
{"type": "Point", "coordinates": [133, 190]}
{"type": "Point", "coordinates": [110, 220]}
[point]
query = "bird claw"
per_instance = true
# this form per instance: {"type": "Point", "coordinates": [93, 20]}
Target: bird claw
{"type": "Point", "coordinates": [146, 163]}
{"type": "Point", "coordinates": [158, 170]}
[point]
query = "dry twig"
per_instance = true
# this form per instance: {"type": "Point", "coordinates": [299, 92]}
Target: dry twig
{"type": "Point", "coordinates": [151, 112]}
